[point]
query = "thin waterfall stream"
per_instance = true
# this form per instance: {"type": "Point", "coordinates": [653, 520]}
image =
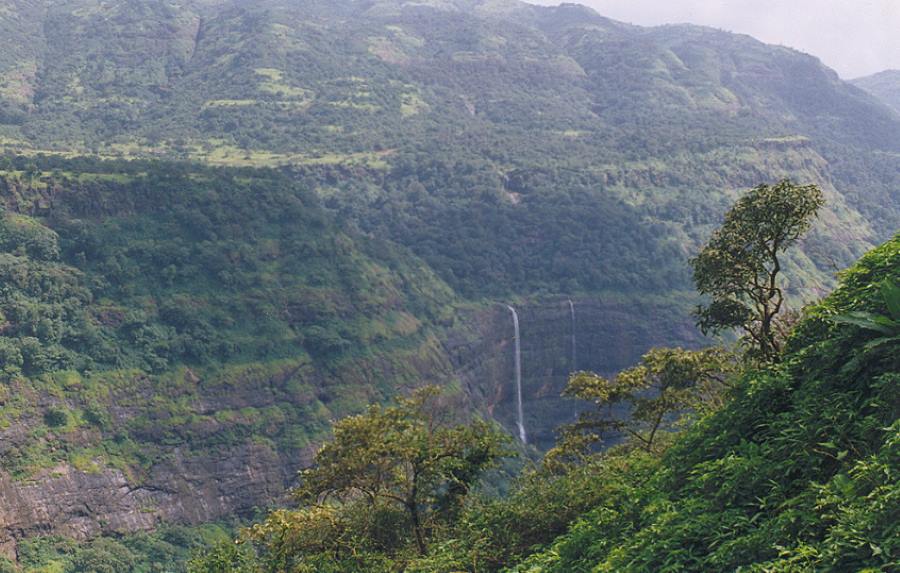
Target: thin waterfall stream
{"type": "Point", "coordinates": [574, 343]}
{"type": "Point", "coordinates": [520, 412]}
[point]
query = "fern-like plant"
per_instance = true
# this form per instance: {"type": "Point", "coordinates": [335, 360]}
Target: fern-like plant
{"type": "Point", "coordinates": [887, 325]}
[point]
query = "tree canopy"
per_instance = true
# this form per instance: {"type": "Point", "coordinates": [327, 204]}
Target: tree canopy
{"type": "Point", "coordinates": [388, 482]}
{"type": "Point", "coordinates": [739, 267]}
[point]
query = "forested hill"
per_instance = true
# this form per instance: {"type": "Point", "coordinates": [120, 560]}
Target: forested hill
{"type": "Point", "coordinates": [797, 473]}
{"type": "Point", "coordinates": [883, 85]}
{"type": "Point", "coordinates": [419, 119]}
{"type": "Point", "coordinates": [225, 222]}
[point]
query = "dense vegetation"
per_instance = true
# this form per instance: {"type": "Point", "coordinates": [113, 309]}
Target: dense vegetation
{"type": "Point", "coordinates": [157, 552]}
{"type": "Point", "coordinates": [458, 109]}
{"type": "Point", "coordinates": [121, 279]}
{"type": "Point", "coordinates": [362, 170]}
{"type": "Point", "coordinates": [798, 471]}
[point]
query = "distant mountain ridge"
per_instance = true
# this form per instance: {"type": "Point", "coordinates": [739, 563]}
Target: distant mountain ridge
{"type": "Point", "coordinates": [884, 85]}
{"type": "Point", "coordinates": [116, 66]}
{"type": "Point", "coordinates": [367, 82]}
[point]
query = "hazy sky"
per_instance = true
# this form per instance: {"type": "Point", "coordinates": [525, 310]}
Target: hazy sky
{"type": "Point", "coordinates": [855, 37]}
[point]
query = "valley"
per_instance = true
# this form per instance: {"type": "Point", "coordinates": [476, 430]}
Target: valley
{"type": "Point", "coordinates": [227, 225]}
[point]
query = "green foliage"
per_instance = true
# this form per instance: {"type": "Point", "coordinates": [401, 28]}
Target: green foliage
{"type": "Point", "coordinates": [739, 267]}
{"type": "Point", "coordinates": [56, 417]}
{"type": "Point", "coordinates": [667, 383]}
{"type": "Point", "coordinates": [103, 556]}
{"type": "Point", "coordinates": [163, 551]}
{"type": "Point", "coordinates": [887, 325]}
{"type": "Point", "coordinates": [798, 472]}
{"type": "Point", "coordinates": [377, 494]}
{"type": "Point", "coordinates": [507, 149]}
{"type": "Point", "coordinates": [160, 287]}
{"type": "Point", "coordinates": [544, 502]}
{"type": "Point", "coordinates": [226, 557]}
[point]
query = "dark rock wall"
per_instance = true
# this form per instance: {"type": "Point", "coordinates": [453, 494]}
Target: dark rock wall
{"type": "Point", "coordinates": [183, 488]}
{"type": "Point", "coordinates": [206, 476]}
{"type": "Point", "coordinates": [609, 336]}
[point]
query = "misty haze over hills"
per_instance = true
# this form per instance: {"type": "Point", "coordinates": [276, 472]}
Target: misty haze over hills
{"type": "Point", "coordinates": [854, 38]}
{"type": "Point", "coordinates": [883, 85]}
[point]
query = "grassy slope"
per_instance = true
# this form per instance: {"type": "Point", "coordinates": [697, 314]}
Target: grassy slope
{"type": "Point", "coordinates": [800, 472]}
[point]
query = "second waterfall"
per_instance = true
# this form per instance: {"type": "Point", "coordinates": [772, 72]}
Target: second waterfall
{"type": "Point", "coordinates": [520, 411]}
{"type": "Point", "coordinates": [574, 342]}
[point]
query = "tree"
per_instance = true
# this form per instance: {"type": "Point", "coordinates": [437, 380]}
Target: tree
{"type": "Point", "coordinates": [740, 265]}
{"type": "Point", "coordinates": [407, 455]}
{"type": "Point", "coordinates": [388, 481]}
{"type": "Point", "coordinates": [225, 557]}
{"type": "Point", "coordinates": [642, 401]}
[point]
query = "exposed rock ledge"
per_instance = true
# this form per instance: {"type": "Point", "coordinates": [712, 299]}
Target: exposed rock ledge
{"type": "Point", "coordinates": [184, 489]}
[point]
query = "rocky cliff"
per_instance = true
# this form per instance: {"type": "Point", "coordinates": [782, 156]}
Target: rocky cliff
{"type": "Point", "coordinates": [211, 471]}
{"type": "Point", "coordinates": [236, 447]}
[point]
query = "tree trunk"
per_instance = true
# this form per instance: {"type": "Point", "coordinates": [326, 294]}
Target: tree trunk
{"type": "Point", "coordinates": [417, 528]}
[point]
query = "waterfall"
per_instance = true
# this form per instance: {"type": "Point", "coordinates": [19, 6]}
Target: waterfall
{"type": "Point", "coordinates": [574, 344]}
{"type": "Point", "coordinates": [520, 414]}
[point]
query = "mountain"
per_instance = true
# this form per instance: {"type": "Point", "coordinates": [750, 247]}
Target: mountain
{"type": "Point", "coordinates": [522, 94]}
{"type": "Point", "coordinates": [177, 339]}
{"type": "Point", "coordinates": [884, 86]}
{"type": "Point", "coordinates": [292, 209]}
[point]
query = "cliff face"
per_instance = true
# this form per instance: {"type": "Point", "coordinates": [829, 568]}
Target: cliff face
{"type": "Point", "coordinates": [605, 337]}
{"type": "Point", "coordinates": [162, 373]}
{"type": "Point", "coordinates": [183, 488]}
{"type": "Point", "coordinates": [236, 448]}
{"type": "Point", "coordinates": [210, 473]}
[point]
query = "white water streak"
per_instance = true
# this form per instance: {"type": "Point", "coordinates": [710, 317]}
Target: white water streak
{"type": "Point", "coordinates": [520, 411]}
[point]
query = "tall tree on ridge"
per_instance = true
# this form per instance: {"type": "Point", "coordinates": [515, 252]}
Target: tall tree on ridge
{"type": "Point", "coordinates": [740, 265]}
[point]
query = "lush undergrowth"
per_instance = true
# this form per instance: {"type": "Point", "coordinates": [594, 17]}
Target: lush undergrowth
{"type": "Point", "coordinates": [162, 551]}
{"type": "Point", "coordinates": [133, 293]}
{"type": "Point", "coordinates": [798, 471]}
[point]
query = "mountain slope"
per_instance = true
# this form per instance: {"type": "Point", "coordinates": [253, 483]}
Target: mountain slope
{"type": "Point", "coordinates": [436, 160]}
{"type": "Point", "coordinates": [647, 115]}
{"type": "Point", "coordinates": [884, 85]}
{"type": "Point", "coordinates": [798, 473]}
{"type": "Point", "coordinates": [176, 341]}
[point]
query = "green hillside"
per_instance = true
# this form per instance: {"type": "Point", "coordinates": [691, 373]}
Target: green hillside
{"type": "Point", "coordinates": [798, 473]}
{"type": "Point", "coordinates": [227, 223]}
{"type": "Point", "coordinates": [148, 307]}
{"type": "Point", "coordinates": [662, 119]}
